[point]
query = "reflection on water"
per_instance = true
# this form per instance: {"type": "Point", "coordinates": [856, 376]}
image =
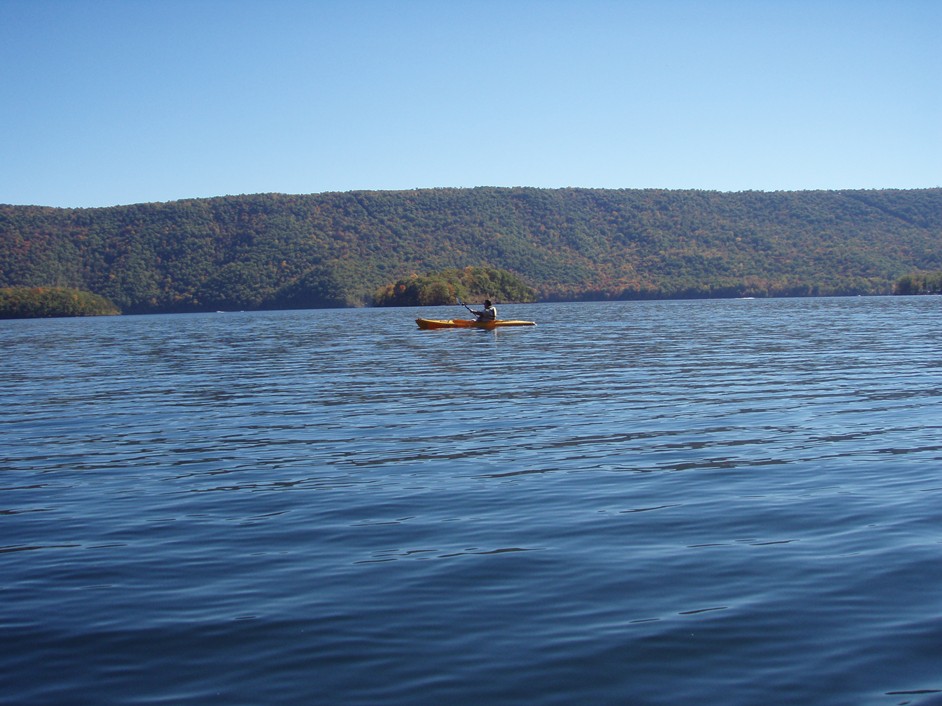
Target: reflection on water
{"type": "Point", "coordinates": [651, 503]}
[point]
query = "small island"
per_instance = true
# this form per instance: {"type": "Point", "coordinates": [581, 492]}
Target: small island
{"type": "Point", "coordinates": [445, 286]}
{"type": "Point", "coordinates": [47, 302]}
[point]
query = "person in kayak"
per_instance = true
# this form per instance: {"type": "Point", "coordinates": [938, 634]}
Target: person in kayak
{"type": "Point", "coordinates": [489, 313]}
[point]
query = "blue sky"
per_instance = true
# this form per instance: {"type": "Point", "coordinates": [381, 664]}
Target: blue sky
{"type": "Point", "coordinates": [110, 102]}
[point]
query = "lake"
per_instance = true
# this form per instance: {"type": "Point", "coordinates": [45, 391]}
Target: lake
{"type": "Point", "coordinates": [730, 502]}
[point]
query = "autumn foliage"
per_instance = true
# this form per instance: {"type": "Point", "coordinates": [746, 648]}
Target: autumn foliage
{"type": "Point", "coordinates": [338, 249]}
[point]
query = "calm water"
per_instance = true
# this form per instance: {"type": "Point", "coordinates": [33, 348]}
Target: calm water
{"type": "Point", "coordinates": [721, 502]}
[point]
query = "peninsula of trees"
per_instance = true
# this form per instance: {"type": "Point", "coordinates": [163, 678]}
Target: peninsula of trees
{"type": "Point", "coordinates": [345, 249]}
{"type": "Point", "coordinates": [44, 302]}
{"type": "Point", "coordinates": [920, 283]}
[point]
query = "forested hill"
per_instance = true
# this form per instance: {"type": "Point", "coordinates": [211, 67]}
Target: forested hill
{"type": "Point", "coordinates": [337, 249]}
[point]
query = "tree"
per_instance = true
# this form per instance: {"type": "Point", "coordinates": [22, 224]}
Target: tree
{"type": "Point", "coordinates": [443, 287]}
{"type": "Point", "coordinates": [43, 302]}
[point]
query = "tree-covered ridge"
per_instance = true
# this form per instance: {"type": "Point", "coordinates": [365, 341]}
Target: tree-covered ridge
{"type": "Point", "coordinates": [44, 302]}
{"type": "Point", "coordinates": [444, 287]}
{"type": "Point", "coordinates": [336, 249]}
{"type": "Point", "coordinates": [920, 283]}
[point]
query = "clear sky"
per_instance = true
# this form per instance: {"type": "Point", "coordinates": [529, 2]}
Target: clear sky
{"type": "Point", "coordinates": [106, 102]}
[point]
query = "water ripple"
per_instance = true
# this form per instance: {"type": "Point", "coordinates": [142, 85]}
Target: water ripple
{"type": "Point", "coordinates": [647, 503]}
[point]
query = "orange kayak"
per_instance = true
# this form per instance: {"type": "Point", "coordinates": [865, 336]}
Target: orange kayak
{"type": "Point", "coordinates": [469, 323]}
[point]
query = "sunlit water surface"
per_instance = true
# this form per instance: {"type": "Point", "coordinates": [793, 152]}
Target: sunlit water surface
{"type": "Point", "coordinates": [718, 502]}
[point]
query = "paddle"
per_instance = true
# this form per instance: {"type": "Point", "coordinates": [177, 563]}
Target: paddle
{"type": "Point", "coordinates": [465, 305]}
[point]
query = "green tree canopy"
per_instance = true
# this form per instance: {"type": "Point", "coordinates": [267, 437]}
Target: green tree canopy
{"type": "Point", "coordinates": [42, 302]}
{"type": "Point", "coordinates": [336, 249]}
{"type": "Point", "coordinates": [443, 287]}
{"type": "Point", "coordinates": [920, 283]}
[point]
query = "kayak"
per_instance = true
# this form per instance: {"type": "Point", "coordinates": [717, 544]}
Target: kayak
{"type": "Point", "coordinates": [469, 323]}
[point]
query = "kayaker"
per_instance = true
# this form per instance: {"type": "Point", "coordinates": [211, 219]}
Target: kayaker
{"type": "Point", "coordinates": [488, 314]}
